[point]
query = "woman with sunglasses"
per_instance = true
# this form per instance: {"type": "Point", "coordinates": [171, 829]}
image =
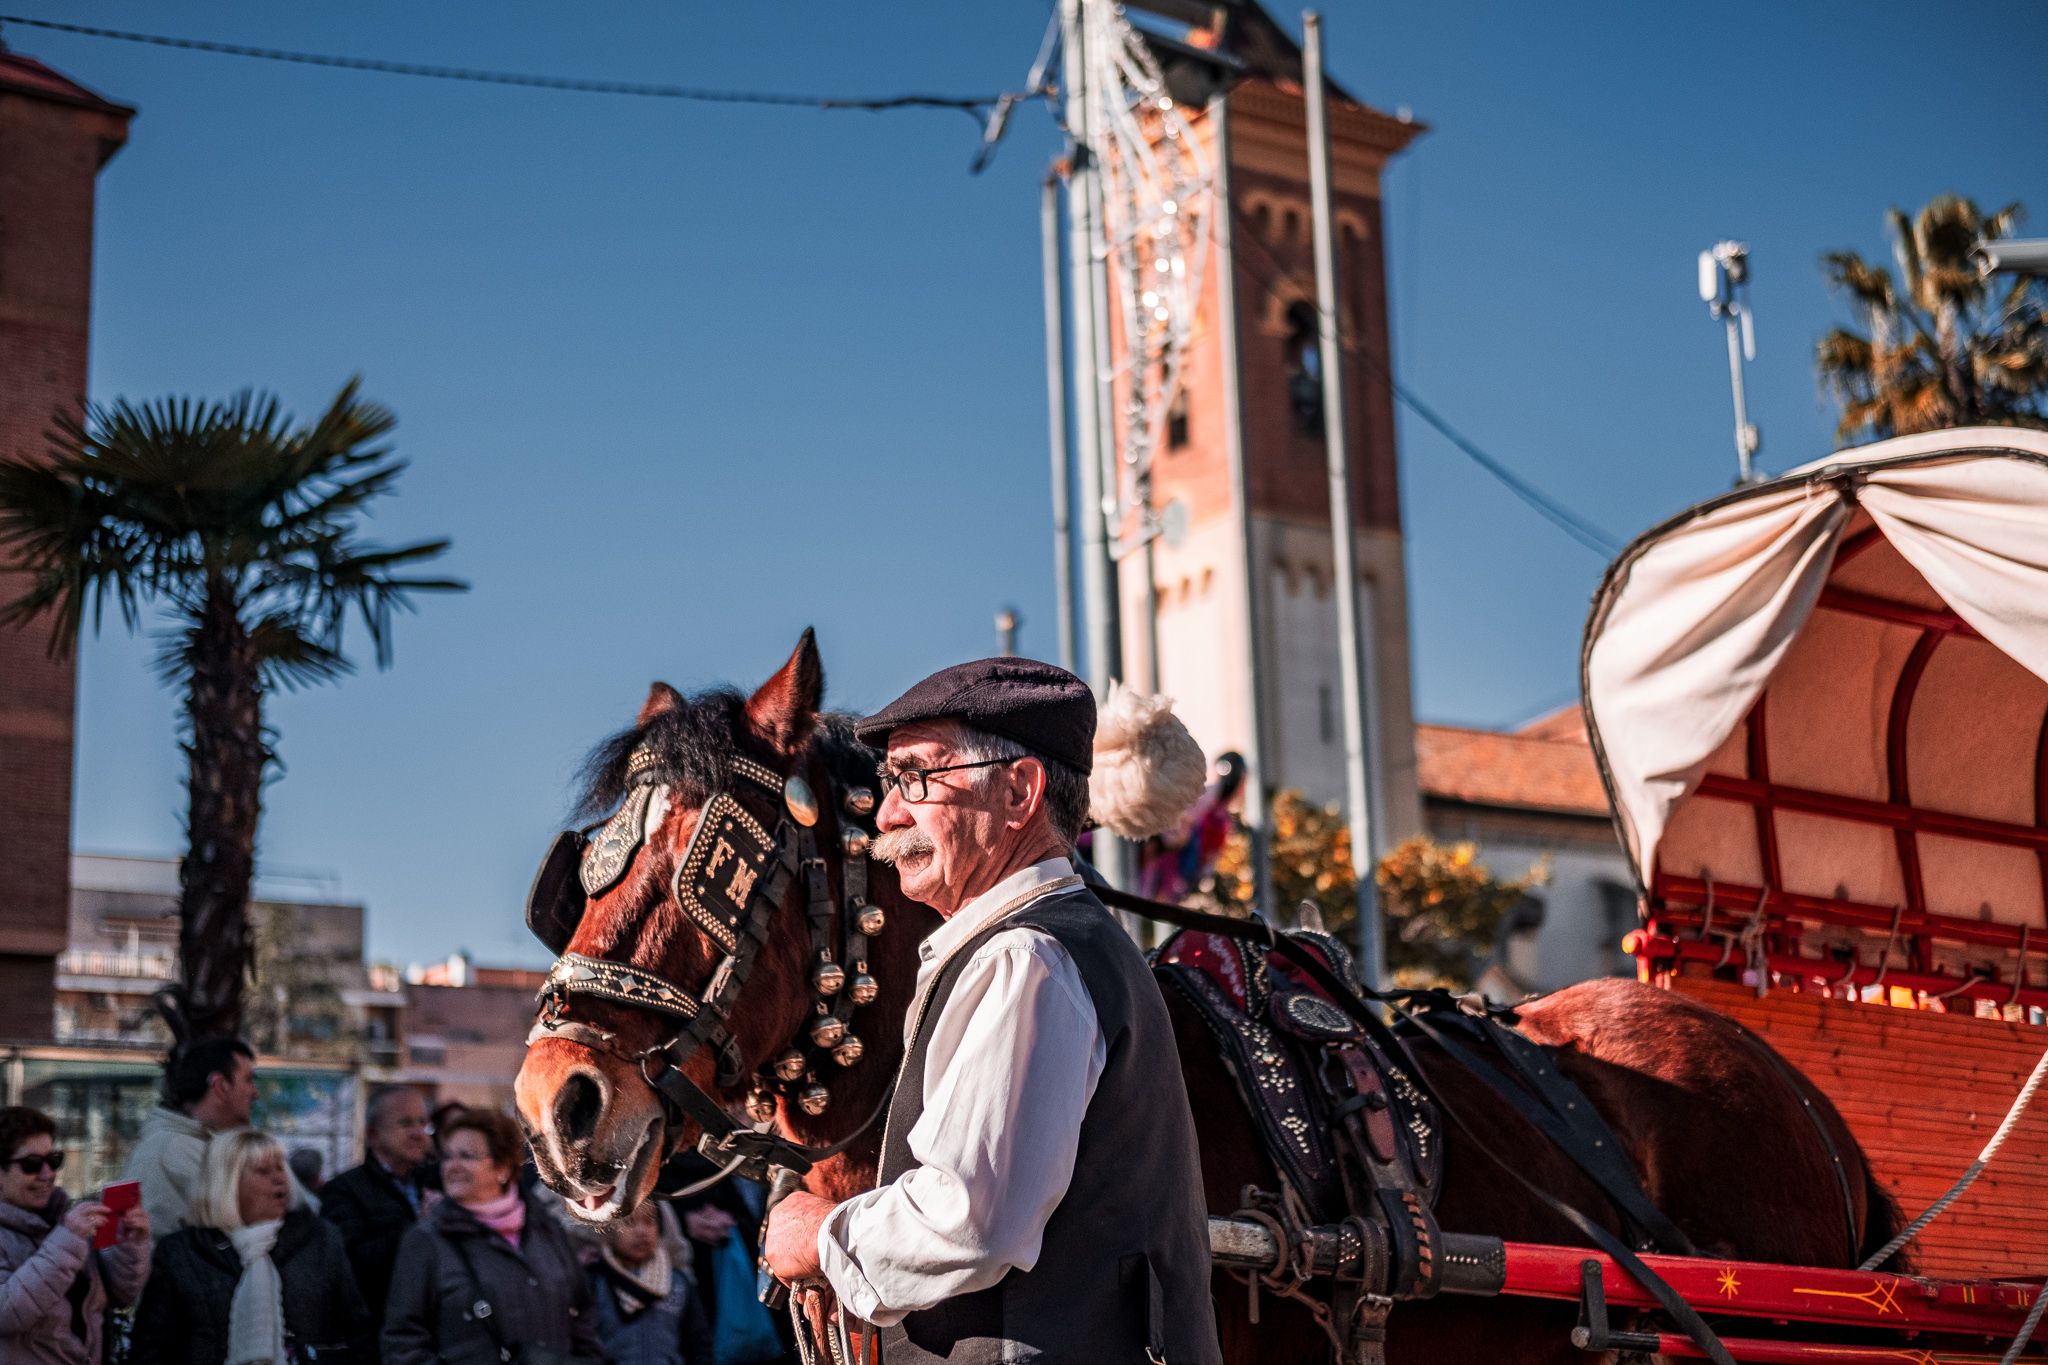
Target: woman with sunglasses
{"type": "Point", "coordinates": [54, 1288]}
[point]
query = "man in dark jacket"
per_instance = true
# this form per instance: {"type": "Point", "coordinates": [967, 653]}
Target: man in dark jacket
{"type": "Point", "coordinates": [1041, 1192]}
{"type": "Point", "coordinates": [375, 1203]}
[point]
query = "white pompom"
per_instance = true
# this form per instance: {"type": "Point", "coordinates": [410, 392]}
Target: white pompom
{"type": "Point", "coordinates": [1148, 768]}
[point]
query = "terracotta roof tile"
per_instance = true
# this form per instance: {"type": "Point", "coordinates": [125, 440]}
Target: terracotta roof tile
{"type": "Point", "coordinates": [1566, 723]}
{"type": "Point", "coordinates": [1519, 771]}
{"type": "Point", "coordinates": [20, 74]}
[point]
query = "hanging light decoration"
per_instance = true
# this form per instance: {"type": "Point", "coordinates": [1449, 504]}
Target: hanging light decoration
{"type": "Point", "coordinates": [1156, 206]}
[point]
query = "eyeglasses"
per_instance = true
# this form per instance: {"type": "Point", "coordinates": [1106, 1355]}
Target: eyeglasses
{"type": "Point", "coordinates": [33, 1165]}
{"type": "Point", "coordinates": [915, 783]}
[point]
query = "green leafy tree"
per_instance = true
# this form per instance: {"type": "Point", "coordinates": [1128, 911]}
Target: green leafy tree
{"type": "Point", "coordinates": [239, 525]}
{"type": "Point", "coordinates": [1442, 906]}
{"type": "Point", "coordinates": [1940, 345]}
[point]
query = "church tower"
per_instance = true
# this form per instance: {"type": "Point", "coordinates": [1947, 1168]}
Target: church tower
{"type": "Point", "coordinates": [1246, 621]}
{"type": "Point", "coordinates": [54, 137]}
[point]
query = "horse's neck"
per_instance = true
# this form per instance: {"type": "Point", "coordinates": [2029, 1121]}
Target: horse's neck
{"type": "Point", "coordinates": [860, 1091]}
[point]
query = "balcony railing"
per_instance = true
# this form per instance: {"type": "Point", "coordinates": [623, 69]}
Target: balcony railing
{"type": "Point", "coordinates": [140, 966]}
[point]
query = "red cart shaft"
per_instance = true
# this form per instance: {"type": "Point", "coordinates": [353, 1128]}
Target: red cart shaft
{"type": "Point", "coordinates": [1760, 1351]}
{"type": "Point", "coordinates": [1993, 1309]}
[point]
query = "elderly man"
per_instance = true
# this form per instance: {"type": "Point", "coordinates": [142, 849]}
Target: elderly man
{"type": "Point", "coordinates": [375, 1203]}
{"type": "Point", "coordinates": [1041, 1195]}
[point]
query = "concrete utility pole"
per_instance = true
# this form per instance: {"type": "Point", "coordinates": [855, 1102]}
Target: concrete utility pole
{"type": "Point", "coordinates": [1256, 745]}
{"type": "Point", "coordinates": [1056, 415]}
{"type": "Point", "coordinates": [1358, 784]}
{"type": "Point", "coordinates": [1091, 416]}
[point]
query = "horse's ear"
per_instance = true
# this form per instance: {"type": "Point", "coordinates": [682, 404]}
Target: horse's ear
{"type": "Point", "coordinates": [784, 710]}
{"type": "Point", "coordinates": [661, 699]}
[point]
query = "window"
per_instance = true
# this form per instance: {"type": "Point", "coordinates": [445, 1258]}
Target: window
{"type": "Point", "coordinates": [1326, 713]}
{"type": "Point", "coordinates": [1305, 368]}
{"type": "Point", "coordinates": [1177, 420]}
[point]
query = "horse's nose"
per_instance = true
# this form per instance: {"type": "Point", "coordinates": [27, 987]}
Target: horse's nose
{"type": "Point", "coordinates": [578, 1107]}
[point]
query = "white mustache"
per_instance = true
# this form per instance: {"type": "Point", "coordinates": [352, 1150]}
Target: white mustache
{"type": "Point", "coordinates": [897, 844]}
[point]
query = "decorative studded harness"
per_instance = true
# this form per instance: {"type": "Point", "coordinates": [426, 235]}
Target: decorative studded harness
{"type": "Point", "coordinates": [729, 884]}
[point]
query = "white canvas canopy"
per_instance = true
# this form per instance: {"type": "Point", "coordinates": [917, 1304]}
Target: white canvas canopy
{"type": "Point", "coordinates": [1825, 696]}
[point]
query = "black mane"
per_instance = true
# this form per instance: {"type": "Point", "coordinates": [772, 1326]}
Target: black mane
{"type": "Point", "coordinates": [694, 743]}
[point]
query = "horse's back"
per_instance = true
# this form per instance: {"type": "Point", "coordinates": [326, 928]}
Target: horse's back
{"type": "Point", "coordinates": [1727, 1135]}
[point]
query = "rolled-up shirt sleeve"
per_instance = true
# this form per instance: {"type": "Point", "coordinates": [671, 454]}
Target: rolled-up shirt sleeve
{"type": "Point", "coordinates": [1012, 1061]}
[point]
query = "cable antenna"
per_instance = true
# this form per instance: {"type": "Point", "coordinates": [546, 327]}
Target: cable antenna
{"type": "Point", "coordinates": [1724, 288]}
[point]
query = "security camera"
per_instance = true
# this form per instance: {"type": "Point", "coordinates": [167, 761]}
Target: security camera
{"type": "Point", "coordinates": [2012, 257]}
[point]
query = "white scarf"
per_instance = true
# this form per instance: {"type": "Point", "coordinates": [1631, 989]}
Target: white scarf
{"type": "Point", "coordinates": [256, 1314]}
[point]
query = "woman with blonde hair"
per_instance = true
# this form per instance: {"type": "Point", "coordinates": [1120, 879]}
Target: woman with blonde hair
{"type": "Point", "coordinates": [251, 1280]}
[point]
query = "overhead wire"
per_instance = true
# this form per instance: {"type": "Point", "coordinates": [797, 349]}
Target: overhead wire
{"type": "Point", "coordinates": [994, 108]}
{"type": "Point", "coordinates": [973, 105]}
{"type": "Point", "coordinates": [1585, 532]}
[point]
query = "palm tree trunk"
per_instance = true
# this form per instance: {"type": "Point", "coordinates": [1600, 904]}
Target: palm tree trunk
{"type": "Point", "coordinates": [1956, 380]}
{"type": "Point", "coordinates": [225, 759]}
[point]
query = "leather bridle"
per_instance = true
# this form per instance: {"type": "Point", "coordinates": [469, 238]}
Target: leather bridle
{"type": "Point", "coordinates": [729, 884]}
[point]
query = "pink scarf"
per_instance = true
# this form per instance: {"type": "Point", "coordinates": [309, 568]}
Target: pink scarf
{"type": "Point", "coordinates": [505, 1215]}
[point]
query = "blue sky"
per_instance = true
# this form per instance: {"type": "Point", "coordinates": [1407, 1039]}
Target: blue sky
{"type": "Point", "coordinates": [682, 379]}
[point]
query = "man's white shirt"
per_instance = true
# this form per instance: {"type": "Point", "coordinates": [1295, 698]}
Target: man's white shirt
{"type": "Point", "coordinates": [1012, 1060]}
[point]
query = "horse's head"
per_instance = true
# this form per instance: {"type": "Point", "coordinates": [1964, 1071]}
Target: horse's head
{"type": "Point", "coordinates": [715, 938]}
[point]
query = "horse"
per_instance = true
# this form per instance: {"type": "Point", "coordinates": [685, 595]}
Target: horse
{"type": "Point", "coordinates": [1727, 1139]}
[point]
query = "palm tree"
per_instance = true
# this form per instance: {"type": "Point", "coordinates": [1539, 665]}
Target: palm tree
{"type": "Point", "coordinates": [1942, 346]}
{"type": "Point", "coordinates": [239, 525]}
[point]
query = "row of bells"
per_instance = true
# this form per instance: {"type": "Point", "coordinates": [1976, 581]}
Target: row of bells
{"type": "Point", "coordinates": [828, 978]}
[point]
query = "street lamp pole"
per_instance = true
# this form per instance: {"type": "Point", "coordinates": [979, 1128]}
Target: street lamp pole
{"type": "Point", "coordinates": [1358, 757]}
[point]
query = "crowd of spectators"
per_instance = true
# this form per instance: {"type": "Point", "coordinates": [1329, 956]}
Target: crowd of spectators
{"type": "Point", "coordinates": [440, 1246]}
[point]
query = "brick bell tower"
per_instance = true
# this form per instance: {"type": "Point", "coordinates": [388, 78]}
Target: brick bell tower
{"type": "Point", "coordinates": [1248, 466]}
{"type": "Point", "coordinates": [54, 136]}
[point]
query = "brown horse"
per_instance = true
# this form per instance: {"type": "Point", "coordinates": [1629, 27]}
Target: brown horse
{"type": "Point", "coordinates": [1715, 1127]}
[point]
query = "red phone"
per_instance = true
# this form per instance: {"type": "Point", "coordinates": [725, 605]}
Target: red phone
{"type": "Point", "coordinates": [119, 1197]}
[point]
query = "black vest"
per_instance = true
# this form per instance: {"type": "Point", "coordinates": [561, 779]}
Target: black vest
{"type": "Point", "coordinates": [1124, 1268]}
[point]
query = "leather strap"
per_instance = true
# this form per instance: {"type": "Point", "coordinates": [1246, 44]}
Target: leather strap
{"type": "Point", "coordinates": [1558, 1109]}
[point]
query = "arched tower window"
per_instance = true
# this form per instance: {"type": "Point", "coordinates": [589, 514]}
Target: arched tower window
{"type": "Point", "coordinates": [1305, 368]}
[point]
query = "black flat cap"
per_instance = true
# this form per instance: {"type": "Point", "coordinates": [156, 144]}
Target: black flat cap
{"type": "Point", "coordinates": [1043, 707]}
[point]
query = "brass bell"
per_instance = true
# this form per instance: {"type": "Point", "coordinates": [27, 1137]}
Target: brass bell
{"type": "Point", "coordinates": [848, 1052]}
{"type": "Point", "coordinates": [860, 800]}
{"type": "Point", "coordinates": [864, 990]}
{"type": "Point", "coordinates": [761, 1105]}
{"type": "Point", "coordinates": [853, 841]}
{"type": "Point", "coordinates": [812, 1099]}
{"type": "Point", "coordinates": [789, 1065]}
{"type": "Point", "coordinates": [802, 804]}
{"type": "Point", "coordinates": [827, 978]}
{"type": "Point", "coordinates": [870, 920]}
{"type": "Point", "coordinates": [827, 1031]}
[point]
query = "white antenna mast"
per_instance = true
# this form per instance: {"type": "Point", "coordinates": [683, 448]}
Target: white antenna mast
{"type": "Point", "coordinates": [1724, 288]}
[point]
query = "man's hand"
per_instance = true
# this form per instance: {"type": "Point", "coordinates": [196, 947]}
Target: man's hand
{"type": "Point", "coordinates": [792, 1246]}
{"type": "Point", "coordinates": [710, 1225]}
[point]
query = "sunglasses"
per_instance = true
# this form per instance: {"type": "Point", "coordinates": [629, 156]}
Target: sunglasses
{"type": "Point", "coordinates": [33, 1165]}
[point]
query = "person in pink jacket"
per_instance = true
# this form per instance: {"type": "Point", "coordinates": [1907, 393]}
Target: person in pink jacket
{"type": "Point", "coordinates": [54, 1288]}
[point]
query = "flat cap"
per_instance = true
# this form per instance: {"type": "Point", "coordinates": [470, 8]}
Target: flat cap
{"type": "Point", "coordinates": [1041, 706]}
